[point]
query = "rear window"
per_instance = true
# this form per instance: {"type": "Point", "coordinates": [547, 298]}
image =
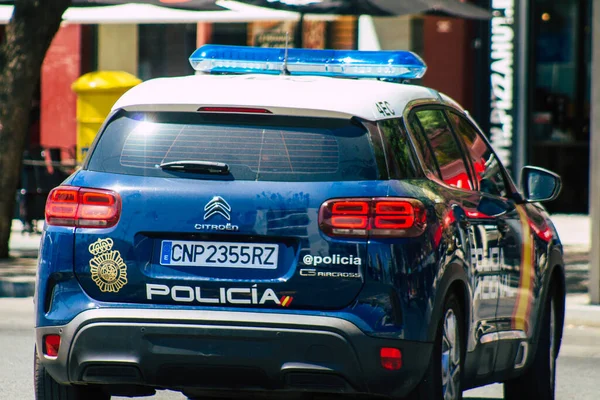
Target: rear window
{"type": "Point", "coordinates": [256, 147]}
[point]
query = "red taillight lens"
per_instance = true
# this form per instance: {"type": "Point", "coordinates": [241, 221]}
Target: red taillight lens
{"type": "Point", "coordinates": [350, 207]}
{"type": "Point", "coordinates": [51, 345]}
{"type": "Point", "coordinates": [394, 215]}
{"type": "Point", "coordinates": [391, 358]}
{"type": "Point", "coordinates": [345, 217]}
{"type": "Point", "coordinates": [349, 222]}
{"type": "Point", "coordinates": [376, 217]}
{"type": "Point", "coordinates": [350, 215]}
{"type": "Point", "coordinates": [62, 203]}
{"type": "Point", "coordinates": [83, 207]}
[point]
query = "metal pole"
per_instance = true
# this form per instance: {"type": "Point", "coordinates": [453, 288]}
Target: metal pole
{"type": "Point", "coordinates": [522, 89]}
{"type": "Point", "coordinates": [594, 285]}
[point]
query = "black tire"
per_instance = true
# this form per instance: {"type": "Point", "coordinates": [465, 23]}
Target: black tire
{"type": "Point", "coordinates": [539, 381]}
{"type": "Point", "coordinates": [46, 388]}
{"type": "Point", "coordinates": [432, 386]}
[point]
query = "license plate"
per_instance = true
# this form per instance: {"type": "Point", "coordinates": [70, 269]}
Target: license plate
{"type": "Point", "coordinates": [219, 254]}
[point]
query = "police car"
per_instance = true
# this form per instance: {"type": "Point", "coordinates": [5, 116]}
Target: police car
{"type": "Point", "coordinates": [290, 222]}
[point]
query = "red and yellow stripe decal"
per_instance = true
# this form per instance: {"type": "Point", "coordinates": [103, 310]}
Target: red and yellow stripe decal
{"type": "Point", "coordinates": [522, 310]}
{"type": "Point", "coordinates": [286, 301]}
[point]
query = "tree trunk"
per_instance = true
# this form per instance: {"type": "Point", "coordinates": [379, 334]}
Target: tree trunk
{"type": "Point", "coordinates": [28, 36]}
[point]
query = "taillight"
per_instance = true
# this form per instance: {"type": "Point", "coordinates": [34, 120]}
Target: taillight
{"type": "Point", "coordinates": [375, 217]}
{"type": "Point", "coordinates": [83, 207]}
{"type": "Point", "coordinates": [51, 345]}
{"type": "Point", "coordinates": [394, 215]}
{"type": "Point", "coordinates": [352, 215]}
{"type": "Point", "coordinates": [391, 358]}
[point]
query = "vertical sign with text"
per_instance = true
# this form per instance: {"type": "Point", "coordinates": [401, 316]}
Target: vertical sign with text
{"type": "Point", "coordinates": [503, 113]}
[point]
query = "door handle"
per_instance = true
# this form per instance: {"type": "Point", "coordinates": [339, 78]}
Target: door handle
{"type": "Point", "coordinates": [503, 227]}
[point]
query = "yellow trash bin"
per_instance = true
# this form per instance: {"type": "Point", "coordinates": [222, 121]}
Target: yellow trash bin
{"type": "Point", "coordinates": [96, 94]}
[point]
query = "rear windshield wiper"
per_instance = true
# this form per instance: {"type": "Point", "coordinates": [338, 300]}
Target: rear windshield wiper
{"type": "Point", "coordinates": [207, 167]}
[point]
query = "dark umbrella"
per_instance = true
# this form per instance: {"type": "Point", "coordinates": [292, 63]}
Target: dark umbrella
{"type": "Point", "coordinates": [195, 5]}
{"type": "Point", "coordinates": [381, 8]}
{"type": "Point", "coordinates": [378, 8]}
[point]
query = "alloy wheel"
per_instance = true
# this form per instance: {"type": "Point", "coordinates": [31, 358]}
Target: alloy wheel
{"type": "Point", "coordinates": [450, 357]}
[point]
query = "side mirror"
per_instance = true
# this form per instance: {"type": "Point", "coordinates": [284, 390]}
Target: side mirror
{"type": "Point", "coordinates": [539, 184]}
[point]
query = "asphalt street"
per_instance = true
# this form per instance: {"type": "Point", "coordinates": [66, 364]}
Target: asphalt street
{"type": "Point", "coordinates": [578, 364]}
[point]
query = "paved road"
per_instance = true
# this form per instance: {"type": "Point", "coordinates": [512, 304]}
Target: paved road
{"type": "Point", "coordinates": [578, 364]}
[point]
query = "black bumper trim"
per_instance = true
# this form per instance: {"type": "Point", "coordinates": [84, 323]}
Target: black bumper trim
{"type": "Point", "coordinates": [209, 350]}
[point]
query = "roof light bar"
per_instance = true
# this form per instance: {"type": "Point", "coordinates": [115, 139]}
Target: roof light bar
{"type": "Point", "coordinates": [335, 63]}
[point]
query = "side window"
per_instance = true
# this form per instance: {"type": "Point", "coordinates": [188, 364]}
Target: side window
{"type": "Point", "coordinates": [401, 160]}
{"type": "Point", "coordinates": [445, 148]}
{"type": "Point", "coordinates": [488, 171]}
{"type": "Point", "coordinates": [424, 148]}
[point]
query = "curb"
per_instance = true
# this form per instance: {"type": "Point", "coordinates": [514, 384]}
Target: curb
{"type": "Point", "coordinates": [17, 276]}
{"type": "Point", "coordinates": [16, 287]}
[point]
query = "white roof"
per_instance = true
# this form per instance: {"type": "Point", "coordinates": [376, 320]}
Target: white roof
{"type": "Point", "coordinates": [283, 95]}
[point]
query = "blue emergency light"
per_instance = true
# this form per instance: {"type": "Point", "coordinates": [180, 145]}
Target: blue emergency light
{"type": "Point", "coordinates": [393, 65]}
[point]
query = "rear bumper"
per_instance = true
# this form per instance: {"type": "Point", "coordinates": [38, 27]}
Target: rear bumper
{"type": "Point", "coordinates": [215, 350]}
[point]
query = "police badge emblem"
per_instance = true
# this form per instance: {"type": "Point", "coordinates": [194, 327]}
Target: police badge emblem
{"type": "Point", "coordinates": [108, 269]}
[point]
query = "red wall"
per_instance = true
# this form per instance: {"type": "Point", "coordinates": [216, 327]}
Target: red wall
{"type": "Point", "coordinates": [61, 67]}
{"type": "Point", "coordinates": [449, 58]}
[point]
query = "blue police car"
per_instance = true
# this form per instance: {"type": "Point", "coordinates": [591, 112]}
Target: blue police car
{"type": "Point", "coordinates": [296, 223]}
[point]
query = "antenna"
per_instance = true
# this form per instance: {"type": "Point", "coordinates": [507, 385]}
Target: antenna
{"type": "Point", "coordinates": [284, 69]}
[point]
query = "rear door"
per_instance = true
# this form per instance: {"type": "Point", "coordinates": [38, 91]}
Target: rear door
{"type": "Point", "coordinates": [514, 281]}
{"type": "Point", "coordinates": [479, 242]}
{"type": "Point", "coordinates": [242, 236]}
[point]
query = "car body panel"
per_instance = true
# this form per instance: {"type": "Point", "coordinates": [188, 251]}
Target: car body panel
{"type": "Point", "coordinates": [272, 212]}
{"type": "Point", "coordinates": [313, 96]}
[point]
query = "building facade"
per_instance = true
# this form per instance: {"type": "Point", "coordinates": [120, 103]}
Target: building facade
{"type": "Point", "coordinates": [524, 75]}
{"type": "Point", "coordinates": [537, 110]}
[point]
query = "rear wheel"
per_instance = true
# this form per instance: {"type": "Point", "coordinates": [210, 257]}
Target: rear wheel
{"type": "Point", "coordinates": [442, 379]}
{"type": "Point", "coordinates": [539, 380]}
{"type": "Point", "coordinates": [46, 388]}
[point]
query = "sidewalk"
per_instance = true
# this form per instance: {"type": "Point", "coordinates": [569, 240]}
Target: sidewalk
{"type": "Point", "coordinates": [17, 275]}
{"type": "Point", "coordinates": [574, 232]}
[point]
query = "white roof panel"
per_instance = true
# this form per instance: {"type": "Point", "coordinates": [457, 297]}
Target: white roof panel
{"type": "Point", "coordinates": [288, 95]}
